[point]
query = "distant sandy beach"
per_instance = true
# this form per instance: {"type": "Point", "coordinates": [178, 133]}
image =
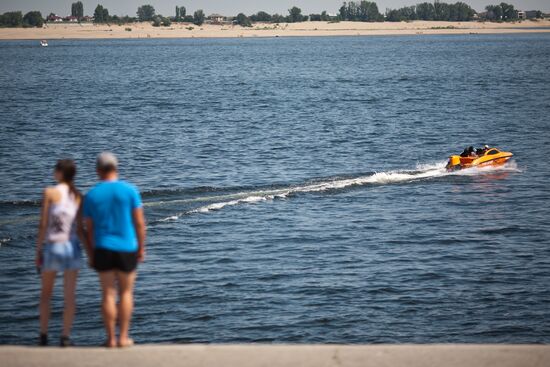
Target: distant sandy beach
{"type": "Point", "coordinates": [184, 30]}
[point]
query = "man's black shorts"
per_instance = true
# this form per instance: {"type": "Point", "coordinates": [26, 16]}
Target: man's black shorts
{"type": "Point", "coordinates": [106, 260]}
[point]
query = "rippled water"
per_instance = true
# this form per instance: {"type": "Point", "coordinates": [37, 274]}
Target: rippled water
{"type": "Point", "coordinates": [294, 187]}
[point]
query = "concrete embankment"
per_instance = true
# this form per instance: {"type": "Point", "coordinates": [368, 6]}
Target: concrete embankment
{"type": "Point", "coordinates": [442, 355]}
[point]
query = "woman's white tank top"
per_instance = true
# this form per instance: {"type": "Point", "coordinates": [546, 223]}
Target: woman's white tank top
{"type": "Point", "coordinates": [61, 217]}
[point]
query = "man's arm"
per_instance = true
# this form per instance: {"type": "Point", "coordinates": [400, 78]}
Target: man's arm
{"type": "Point", "coordinates": [89, 243]}
{"type": "Point", "coordinates": [81, 230]}
{"type": "Point", "coordinates": [139, 224]}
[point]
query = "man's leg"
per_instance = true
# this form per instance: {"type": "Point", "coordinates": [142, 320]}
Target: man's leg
{"type": "Point", "coordinates": [126, 305]}
{"type": "Point", "coordinates": [48, 280]}
{"type": "Point", "coordinates": [69, 286]}
{"type": "Point", "coordinates": [108, 305]}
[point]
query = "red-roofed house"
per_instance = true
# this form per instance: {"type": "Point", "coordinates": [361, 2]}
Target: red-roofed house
{"type": "Point", "coordinates": [54, 18]}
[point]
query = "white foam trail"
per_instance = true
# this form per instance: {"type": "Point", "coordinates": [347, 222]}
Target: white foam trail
{"type": "Point", "coordinates": [423, 171]}
{"type": "Point", "coordinates": [510, 166]}
{"type": "Point", "coordinates": [222, 201]}
{"type": "Point", "coordinates": [218, 206]}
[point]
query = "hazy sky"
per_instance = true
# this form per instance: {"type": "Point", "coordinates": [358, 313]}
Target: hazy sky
{"type": "Point", "coordinates": [230, 7]}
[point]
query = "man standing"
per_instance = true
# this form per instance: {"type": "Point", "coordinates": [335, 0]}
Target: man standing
{"type": "Point", "coordinates": [113, 215]}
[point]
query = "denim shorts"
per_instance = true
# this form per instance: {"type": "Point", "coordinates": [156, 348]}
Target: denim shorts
{"type": "Point", "coordinates": [61, 256]}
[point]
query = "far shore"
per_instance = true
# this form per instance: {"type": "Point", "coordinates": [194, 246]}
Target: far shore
{"type": "Point", "coordinates": [187, 30]}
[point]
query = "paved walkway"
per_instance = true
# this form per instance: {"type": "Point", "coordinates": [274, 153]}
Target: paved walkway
{"type": "Point", "coordinates": [446, 355]}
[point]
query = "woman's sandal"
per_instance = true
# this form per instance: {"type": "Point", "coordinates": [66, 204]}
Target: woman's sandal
{"type": "Point", "coordinates": [65, 341]}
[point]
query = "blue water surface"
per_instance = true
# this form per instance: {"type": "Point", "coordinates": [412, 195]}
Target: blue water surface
{"type": "Point", "coordinates": [294, 187]}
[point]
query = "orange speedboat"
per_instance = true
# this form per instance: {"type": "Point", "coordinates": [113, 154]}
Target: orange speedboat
{"type": "Point", "coordinates": [491, 157]}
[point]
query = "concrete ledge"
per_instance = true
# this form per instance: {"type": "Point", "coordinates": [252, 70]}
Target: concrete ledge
{"type": "Point", "coordinates": [438, 355]}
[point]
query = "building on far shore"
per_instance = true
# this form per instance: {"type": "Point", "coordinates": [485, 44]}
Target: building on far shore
{"type": "Point", "coordinates": [532, 14]}
{"type": "Point", "coordinates": [521, 15]}
{"type": "Point", "coordinates": [54, 18]}
{"type": "Point", "coordinates": [216, 19]}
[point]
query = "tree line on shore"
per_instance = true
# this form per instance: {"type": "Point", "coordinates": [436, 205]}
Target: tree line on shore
{"type": "Point", "coordinates": [360, 11]}
{"type": "Point", "coordinates": [17, 19]}
{"type": "Point", "coordinates": [458, 11]}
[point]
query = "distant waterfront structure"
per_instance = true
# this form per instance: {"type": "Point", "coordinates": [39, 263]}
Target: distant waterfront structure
{"type": "Point", "coordinates": [529, 14]}
{"type": "Point", "coordinates": [216, 19]}
{"type": "Point", "coordinates": [532, 14]}
{"type": "Point", "coordinates": [54, 18]}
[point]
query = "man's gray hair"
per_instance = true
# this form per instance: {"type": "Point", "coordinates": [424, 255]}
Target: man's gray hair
{"type": "Point", "coordinates": [106, 161]}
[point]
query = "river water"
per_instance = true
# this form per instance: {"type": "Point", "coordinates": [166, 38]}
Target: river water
{"type": "Point", "coordinates": [294, 188]}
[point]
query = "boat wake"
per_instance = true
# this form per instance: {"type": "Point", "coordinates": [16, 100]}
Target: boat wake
{"type": "Point", "coordinates": [204, 199]}
{"type": "Point", "coordinates": [422, 172]}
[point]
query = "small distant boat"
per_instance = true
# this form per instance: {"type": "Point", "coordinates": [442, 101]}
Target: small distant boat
{"type": "Point", "coordinates": [44, 43]}
{"type": "Point", "coordinates": [490, 157]}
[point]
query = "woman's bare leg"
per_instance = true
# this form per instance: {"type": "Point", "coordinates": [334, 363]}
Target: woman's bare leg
{"type": "Point", "coordinates": [108, 306]}
{"type": "Point", "coordinates": [48, 281]}
{"type": "Point", "coordinates": [69, 286]}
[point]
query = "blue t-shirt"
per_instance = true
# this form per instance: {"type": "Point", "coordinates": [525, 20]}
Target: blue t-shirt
{"type": "Point", "coordinates": [110, 205]}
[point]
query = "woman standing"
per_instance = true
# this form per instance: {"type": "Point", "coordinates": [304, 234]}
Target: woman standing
{"type": "Point", "coordinates": [58, 248]}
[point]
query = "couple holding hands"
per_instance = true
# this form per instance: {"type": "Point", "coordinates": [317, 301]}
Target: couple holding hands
{"type": "Point", "coordinates": [109, 221]}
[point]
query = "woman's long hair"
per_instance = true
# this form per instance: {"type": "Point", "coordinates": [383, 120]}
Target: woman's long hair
{"type": "Point", "coordinates": [67, 168]}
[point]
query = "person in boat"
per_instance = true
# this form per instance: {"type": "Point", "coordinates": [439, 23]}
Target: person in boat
{"type": "Point", "coordinates": [471, 152]}
{"type": "Point", "coordinates": [465, 153]}
{"type": "Point", "coordinates": [482, 151]}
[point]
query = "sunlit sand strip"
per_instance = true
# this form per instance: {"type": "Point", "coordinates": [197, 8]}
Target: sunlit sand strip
{"type": "Point", "coordinates": [146, 30]}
